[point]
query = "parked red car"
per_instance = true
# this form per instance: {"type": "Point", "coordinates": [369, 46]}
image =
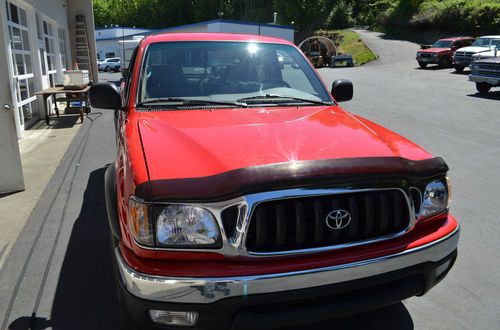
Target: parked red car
{"type": "Point", "coordinates": [244, 197]}
{"type": "Point", "coordinates": [441, 52]}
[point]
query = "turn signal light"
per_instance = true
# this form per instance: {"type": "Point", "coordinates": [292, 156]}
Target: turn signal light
{"type": "Point", "coordinates": [177, 318]}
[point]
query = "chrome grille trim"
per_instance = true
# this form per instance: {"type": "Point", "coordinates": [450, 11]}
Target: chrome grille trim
{"type": "Point", "coordinates": [464, 54]}
{"type": "Point", "coordinates": [291, 225]}
{"type": "Point", "coordinates": [489, 66]}
{"type": "Point", "coordinates": [298, 193]}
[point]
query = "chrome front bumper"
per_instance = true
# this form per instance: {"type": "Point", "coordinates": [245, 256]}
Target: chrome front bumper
{"type": "Point", "coordinates": [494, 81]}
{"type": "Point", "coordinates": [429, 60]}
{"type": "Point", "coordinates": [464, 61]}
{"type": "Point", "coordinates": [209, 290]}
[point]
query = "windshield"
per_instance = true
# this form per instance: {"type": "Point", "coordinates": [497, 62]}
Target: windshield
{"type": "Point", "coordinates": [227, 71]}
{"type": "Point", "coordinates": [482, 42]}
{"type": "Point", "coordinates": [442, 44]}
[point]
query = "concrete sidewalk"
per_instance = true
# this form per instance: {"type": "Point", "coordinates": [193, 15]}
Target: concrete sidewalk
{"type": "Point", "coordinates": [42, 148]}
{"type": "Point", "coordinates": [58, 270]}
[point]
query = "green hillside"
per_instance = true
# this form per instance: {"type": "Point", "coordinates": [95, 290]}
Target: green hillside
{"type": "Point", "coordinates": [454, 16]}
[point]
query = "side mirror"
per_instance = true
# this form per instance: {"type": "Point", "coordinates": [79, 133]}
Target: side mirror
{"type": "Point", "coordinates": [105, 96]}
{"type": "Point", "coordinates": [342, 90]}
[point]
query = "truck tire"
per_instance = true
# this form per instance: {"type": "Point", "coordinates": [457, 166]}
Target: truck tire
{"type": "Point", "coordinates": [444, 62]}
{"type": "Point", "coordinates": [483, 87]}
{"type": "Point", "coordinates": [111, 202]}
{"type": "Point", "coordinates": [459, 68]}
{"type": "Point", "coordinates": [422, 64]}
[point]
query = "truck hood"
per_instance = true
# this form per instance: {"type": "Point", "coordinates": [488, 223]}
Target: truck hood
{"type": "Point", "coordinates": [489, 54]}
{"type": "Point", "coordinates": [473, 49]}
{"type": "Point", "coordinates": [495, 60]}
{"type": "Point", "coordinates": [197, 143]}
{"type": "Point", "coordinates": [434, 50]}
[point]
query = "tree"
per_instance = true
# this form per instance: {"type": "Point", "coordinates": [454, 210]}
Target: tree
{"type": "Point", "coordinates": [306, 16]}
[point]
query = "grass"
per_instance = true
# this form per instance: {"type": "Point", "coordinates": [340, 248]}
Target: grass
{"type": "Point", "coordinates": [350, 44]}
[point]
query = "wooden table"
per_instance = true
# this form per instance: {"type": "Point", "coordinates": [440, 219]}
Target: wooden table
{"type": "Point", "coordinates": [70, 95]}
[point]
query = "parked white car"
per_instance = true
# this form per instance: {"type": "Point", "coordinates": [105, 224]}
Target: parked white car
{"type": "Point", "coordinates": [463, 56]}
{"type": "Point", "coordinates": [110, 64]}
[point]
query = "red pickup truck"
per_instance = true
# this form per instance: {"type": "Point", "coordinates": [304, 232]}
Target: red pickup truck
{"type": "Point", "coordinates": [244, 197]}
{"type": "Point", "coordinates": [441, 52]}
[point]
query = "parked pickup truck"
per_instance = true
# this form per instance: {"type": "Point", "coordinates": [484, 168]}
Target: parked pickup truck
{"type": "Point", "coordinates": [441, 52]}
{"type": "Point", "coordinates": [494, 52]}
{"type": "Point", "coordinates": [486, 74]}
{"type": "Point", "coordinates": [463, 56]}
{"type": "Point", "coordinates": [244, 197]}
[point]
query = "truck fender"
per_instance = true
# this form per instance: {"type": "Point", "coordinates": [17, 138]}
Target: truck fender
{"type": "Point", "coordinates": [111, 201]}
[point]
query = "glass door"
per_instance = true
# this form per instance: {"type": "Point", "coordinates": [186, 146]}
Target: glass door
{"type": "Point", "coordinates": [50, 53]}
{"type": "Point", "coordinates": [42, 55]}
{"type": "Point", "coordinates": [22, 66]}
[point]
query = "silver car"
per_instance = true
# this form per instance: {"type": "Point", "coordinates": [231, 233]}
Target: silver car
{"type": "Point", "coordinates": [109, 64]}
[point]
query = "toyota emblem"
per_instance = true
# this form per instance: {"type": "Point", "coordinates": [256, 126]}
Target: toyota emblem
{"type": "Point", "coordinates": [338, 219]}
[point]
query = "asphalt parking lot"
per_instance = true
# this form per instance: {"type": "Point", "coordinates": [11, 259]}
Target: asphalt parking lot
{"type": "Point", "coordinates": [441, 111]}
{"type": "Point", "coordinates": [58, 274]}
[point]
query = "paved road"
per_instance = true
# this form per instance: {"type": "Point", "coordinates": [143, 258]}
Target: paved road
{"type": "Point", "coordinates": [58, 276]}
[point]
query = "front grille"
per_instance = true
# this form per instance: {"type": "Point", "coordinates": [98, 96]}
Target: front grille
{"type": "Point", "coordinates": [492, 67]}
{"type": "Point", "coordinates": [425, 55]}
{"type": "Point", "coordinates": [495, 74]}
{"type": "Point", "coordinates": [300, 223]}
{"type": "Point", "coordinates": [464, 54]}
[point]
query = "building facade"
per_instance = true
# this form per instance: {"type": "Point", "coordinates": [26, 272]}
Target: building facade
{"type": "Point", "coordinates": [37, 40]}
{"type": "Point", "coordinates": [107, 39]}
{"type": "Point", "coordinates": [232, 26]}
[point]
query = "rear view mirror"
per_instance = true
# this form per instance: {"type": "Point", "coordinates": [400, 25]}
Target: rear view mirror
{"type": "Point", "coordinates": [105, 96]}
{"type": "Point", "coordinates": [342, 90]}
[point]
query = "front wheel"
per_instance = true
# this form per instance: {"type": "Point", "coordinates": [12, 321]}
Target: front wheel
{"type": "Point", "coordinates": [107, 69]}
{"type": "Point", "coordinates": [483, 87]}
{"type": "Point", "coordinates": [422, 64]}
{"type": "Point", "coordinates": [444, 62]}
{"type": "Point", "coordinates": [459, 68]}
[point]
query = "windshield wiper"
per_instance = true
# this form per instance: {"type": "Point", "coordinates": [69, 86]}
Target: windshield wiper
{"type": "Point", "coordinates": [184, 101]}
{"type": "Point", "coordinates": [277, 96]}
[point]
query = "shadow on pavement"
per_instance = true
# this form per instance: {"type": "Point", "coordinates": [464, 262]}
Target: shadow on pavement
{"type": "Point", "coordinates": [431, 68]}
{"type": "Point", "coordinates": [65, 121]}
{"type": "Point", "coordinates": [85, 297]}
{"type": "Point", "coordinates": [487, 96]}
{"type": "Point", "coordinates": [463, 73]}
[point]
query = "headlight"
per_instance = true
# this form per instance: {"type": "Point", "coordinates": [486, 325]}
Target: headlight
{"type": "Point", "coordinates": [435, 198]}
{"type": "Point", "coordinates": [434, 54]}
{"type": "Point", "coordinates": [140, 224]}
{"type": "Point", "coordinates": [173, 225]}
{"type": "Point", "coordinates": [186, 226]}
